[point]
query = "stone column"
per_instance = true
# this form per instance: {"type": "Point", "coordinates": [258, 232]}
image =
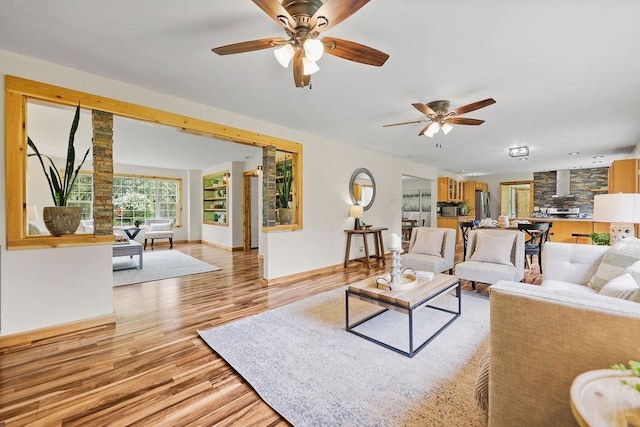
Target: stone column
{"type": "Point", "coordinates": [269, 186]}
{"type": "Point", "coordinates": [102, 172]}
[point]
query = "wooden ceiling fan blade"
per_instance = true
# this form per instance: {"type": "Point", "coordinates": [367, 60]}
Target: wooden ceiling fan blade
{"type": "Point", "coordinates": [334, 12]}
{"type": "Point", "coordinates": [249, 46]}
{"type": "Point", "coordinates": [424, 130]}
{"type": "Point", "coordinates": [463, 121]}
{"type": "Point", "coordinates": [424, 109]}
{"type": "Point", "coordinates": [474, 106]}
{"type": "Point", "coordinates": [354, 51]}
{"type": "Point", "coordinates": [306, 80]}
{"type": "Point", "coordinates": [275, 10]}
{"type": "Point", "coordinates": [405, 123]}
{"type": "Point", "coordinates": [298, 69]}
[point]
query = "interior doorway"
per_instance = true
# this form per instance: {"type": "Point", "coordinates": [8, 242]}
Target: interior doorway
{"type": "Point", "coordinates": [250, 211]}
{"type": "Point", "coordinates": [516, 199]}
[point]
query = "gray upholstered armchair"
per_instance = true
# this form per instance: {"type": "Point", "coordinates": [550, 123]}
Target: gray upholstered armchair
{"type": "Point", "coordinates": [430, 249]}
{"type": "Point", "coordinates": [159, 229]}
{"type": "Point", "coordinates": [493, 255]}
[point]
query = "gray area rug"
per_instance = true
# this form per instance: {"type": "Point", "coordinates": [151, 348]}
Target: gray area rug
{"type": "Point", "coordinates": [156, 266]}
{"type": "Point", "coordinates": [303, 363]}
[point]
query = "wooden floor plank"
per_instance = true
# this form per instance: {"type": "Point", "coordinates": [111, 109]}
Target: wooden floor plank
{"type": "Point", "coordinates": [151, 367]}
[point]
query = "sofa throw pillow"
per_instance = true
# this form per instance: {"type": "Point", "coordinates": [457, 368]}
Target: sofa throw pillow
{"type": "Point", "coordinates": [428, 242]}
{"type": "Point", "coordinates": [624, 287]}
{"type": "Point", "coordinates": [619, 256]}
{"type": "Point", "coordinates": [493, 248]}
{"type": "Point", "coordinates": [160, 226]}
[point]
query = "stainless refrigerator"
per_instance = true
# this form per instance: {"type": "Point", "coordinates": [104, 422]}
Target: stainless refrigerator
{"type": "Point", "coordinates": [482, 205]}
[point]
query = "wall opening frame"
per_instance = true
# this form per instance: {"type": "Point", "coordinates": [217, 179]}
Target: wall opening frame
{"type": "Point", "coordinates": [18, 89]}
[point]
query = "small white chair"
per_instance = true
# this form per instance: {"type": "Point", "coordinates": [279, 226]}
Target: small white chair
{"type": "Point", "coordinates": [159, 229]}
{"type": "Point", "coordinates": [430, 252]}
{"type": "Point", "coordinates": [495, 255]}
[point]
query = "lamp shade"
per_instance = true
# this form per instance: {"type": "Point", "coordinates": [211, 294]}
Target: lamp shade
{"type": "Point", "coordinates": [356, 211]}
{"type": "Point", "coordinates": [619, 207]}
{"type": "Point", "coordinates": [32, 213]}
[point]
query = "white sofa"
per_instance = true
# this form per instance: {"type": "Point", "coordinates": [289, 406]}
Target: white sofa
{"type": "Point", "coordinates": [542, 337]}
{"type": "Point", "coordinates": [443, 261]}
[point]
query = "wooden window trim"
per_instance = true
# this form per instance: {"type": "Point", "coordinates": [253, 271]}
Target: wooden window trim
{"type": "Point", "coordinates": [18, 89]}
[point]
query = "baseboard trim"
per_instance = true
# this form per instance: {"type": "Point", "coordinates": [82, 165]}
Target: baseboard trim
{"type": "Point", "coordinates": [301, 276]}
{"type": "Point", "coordinates": [29, 337]}
{"type": "Point", "coordinates": [216, 245]}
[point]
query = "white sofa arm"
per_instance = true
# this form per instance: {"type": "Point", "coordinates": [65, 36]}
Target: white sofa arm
{"type": "Point", "coordinates": [569, 262]}
{"type": "Point", "coordinates": [539, 343]}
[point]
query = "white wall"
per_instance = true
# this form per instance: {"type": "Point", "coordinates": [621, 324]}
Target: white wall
{"type": "Point", "coordinates": [328, 166]}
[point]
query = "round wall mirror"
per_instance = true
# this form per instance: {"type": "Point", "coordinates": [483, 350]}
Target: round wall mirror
{"type": "Point", "coordinates": [362, 188]}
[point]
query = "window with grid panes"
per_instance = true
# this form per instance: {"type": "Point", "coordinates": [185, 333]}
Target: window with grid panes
{"type": "Point", "coordinates": [134, 198]}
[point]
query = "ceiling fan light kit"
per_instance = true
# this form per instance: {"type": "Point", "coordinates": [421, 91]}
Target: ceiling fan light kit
{"type": "Point", "coordinates": [303, 21]}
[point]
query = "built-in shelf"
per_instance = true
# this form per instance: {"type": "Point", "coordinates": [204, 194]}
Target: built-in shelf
{"type": "Point", "coordinates": [215, 199]}
{"type": "Point", "coordinates": [600, 190]}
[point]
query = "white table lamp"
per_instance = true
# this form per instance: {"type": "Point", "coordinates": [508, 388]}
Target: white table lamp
{"type": "Point", "coordinates": [32, 213]}
{"type": "Point", "coordinates": [356, 211]}
{"type": "Point", "coordinates": [622, 210]}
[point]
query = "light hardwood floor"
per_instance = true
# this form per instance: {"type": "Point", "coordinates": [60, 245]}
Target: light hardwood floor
{"type": "Point", "coordinates": [151, 367]}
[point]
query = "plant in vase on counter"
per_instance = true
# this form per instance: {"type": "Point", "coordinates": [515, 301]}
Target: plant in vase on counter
{"type": "Point", "coordinates": [61, 219]}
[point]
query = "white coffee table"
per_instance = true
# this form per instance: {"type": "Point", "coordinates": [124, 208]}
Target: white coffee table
{"type": "Point", "coordinates": [128, 249]}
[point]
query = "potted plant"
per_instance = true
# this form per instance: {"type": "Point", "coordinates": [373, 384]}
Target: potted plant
{"type": "Point", "coordinates": [284, 189]}
{"type": "Point", "coordinates": [61, 219]}
{"type": "Point", "coordinates": [600, 238]}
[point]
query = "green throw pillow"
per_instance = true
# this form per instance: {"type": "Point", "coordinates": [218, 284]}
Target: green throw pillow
{"type": "Point", "coordinates": [615, 260]}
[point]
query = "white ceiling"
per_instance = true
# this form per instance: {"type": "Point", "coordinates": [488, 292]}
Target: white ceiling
{"type": "Point", "coordinates": [564, 73]}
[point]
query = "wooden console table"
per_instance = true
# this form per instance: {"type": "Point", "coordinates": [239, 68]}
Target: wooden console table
{"type": "Point", "coordinates": [377, 241]}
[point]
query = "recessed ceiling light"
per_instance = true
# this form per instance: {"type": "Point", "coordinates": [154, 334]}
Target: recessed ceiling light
{"type": "Point", "coordinates": [576, 167]}
{"type": "Point", "coordinates": [598, 157]}
{"type": "Point", "coordinates": [574, 153]}
{"type": "Point", "coordinates": [524, 159]}
{"type": "Point", "coordinates": [597, 161]}
{"type": "Point", "coordinates": [463, 170]}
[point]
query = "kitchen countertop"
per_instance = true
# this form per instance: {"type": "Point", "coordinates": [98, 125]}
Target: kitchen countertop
{"type": "Point", "coordinates": [553, 219]}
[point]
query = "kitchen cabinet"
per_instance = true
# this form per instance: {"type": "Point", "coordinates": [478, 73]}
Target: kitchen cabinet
{"type": "Point", "coordinates": [482, 186]}
{"type": "Point", "coordinates": [215, 199]}
{"type": "Point", "coordinates": [623, 176]}
{"type": "Point", "coordinates": [450, 190]}
{"type": "Point", "coordinates": [454, 222]}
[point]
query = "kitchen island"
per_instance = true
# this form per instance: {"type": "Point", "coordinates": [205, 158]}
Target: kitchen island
{"type": "Point", "coordinates": [563, 228]}
{"type": "Point", "coordinates": [454, 222]}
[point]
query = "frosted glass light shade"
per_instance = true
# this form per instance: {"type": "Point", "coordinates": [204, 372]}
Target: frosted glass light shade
{"type": "Point", "coordinates": [310, 67]}
{"type": "Point", "coordinates": [433, 129]}
{"type": "Point", "coordinates": [313, 49]}
{"type": "Point", "coordinates": [446, 128]}
{"type": "Point", "coordinates": [284, 54]}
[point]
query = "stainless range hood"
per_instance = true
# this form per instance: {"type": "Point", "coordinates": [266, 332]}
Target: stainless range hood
{"type": "Point", "coordinates": [563, 183]}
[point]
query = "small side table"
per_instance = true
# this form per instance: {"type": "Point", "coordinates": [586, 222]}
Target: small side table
{"type": "Point", "coordinates": [377, 241]}
{"type": "Point", "coordinates": [598, 398]}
